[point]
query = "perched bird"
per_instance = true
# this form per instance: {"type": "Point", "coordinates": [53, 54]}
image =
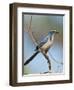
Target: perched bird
{"type": "Point", "coordinates": [44, 45]}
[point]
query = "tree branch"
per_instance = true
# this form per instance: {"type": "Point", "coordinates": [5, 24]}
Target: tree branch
{"type": "Point", "coordinates": [48, 60]}
{"type": "Point", "coordinates": [31, 33]}
{"type": "Point", "coordinates": [33, 39]}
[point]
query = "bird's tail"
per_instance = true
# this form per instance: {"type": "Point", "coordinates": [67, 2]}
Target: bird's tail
{"type": "Point", "coordinates": [31, 58]}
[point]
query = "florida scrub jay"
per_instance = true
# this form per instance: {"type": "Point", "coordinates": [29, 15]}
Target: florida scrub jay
{"type": "Point", "coordinates": [44, 46]}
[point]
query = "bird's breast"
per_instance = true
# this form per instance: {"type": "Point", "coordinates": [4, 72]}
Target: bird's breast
{"type": "Point", "coordinates": [47, 45]}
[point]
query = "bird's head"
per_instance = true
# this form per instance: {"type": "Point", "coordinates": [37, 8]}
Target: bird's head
{"type": "Point", "coordinates": [52, 32]}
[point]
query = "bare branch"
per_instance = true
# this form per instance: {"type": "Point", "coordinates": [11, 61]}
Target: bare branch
{"type": "Point", "coordinates": [33, 39]}
{"type": "Point", "coordinates": [48, 60]}
{"type": "Point", "coordinates": [31, 33]}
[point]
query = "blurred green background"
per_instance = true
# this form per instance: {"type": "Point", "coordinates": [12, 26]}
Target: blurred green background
{"type": "Point", "coordinates": [41, 25]}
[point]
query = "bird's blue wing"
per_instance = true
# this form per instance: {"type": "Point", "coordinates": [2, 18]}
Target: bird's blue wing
{"type": "Point", "coordinates": [41, 44]}
{"type": "Point", "coordinates": [41, 38]}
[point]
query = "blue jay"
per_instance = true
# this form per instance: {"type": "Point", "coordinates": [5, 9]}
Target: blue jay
{"type": "Point", "coordinates": [44, 45]}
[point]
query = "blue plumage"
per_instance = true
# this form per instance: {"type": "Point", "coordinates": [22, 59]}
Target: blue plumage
{"type": "Point", "coordinates": [48, 40]}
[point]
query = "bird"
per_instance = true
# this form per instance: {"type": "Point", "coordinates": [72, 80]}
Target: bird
{"type": "Point", "coordinates": [44, 45]}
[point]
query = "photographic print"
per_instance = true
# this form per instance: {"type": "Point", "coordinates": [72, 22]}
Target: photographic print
{"type": "Point", "coordinates": [43, 43]}
{"type": "Point", "coordinates": [40, 44]}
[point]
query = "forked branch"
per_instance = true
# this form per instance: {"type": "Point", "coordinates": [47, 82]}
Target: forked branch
{"type": "Point", "coordinates": [34, 41]}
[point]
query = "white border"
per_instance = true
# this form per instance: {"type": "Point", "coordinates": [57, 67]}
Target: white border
{"type": "Point", "coordinates": [66, 36]}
